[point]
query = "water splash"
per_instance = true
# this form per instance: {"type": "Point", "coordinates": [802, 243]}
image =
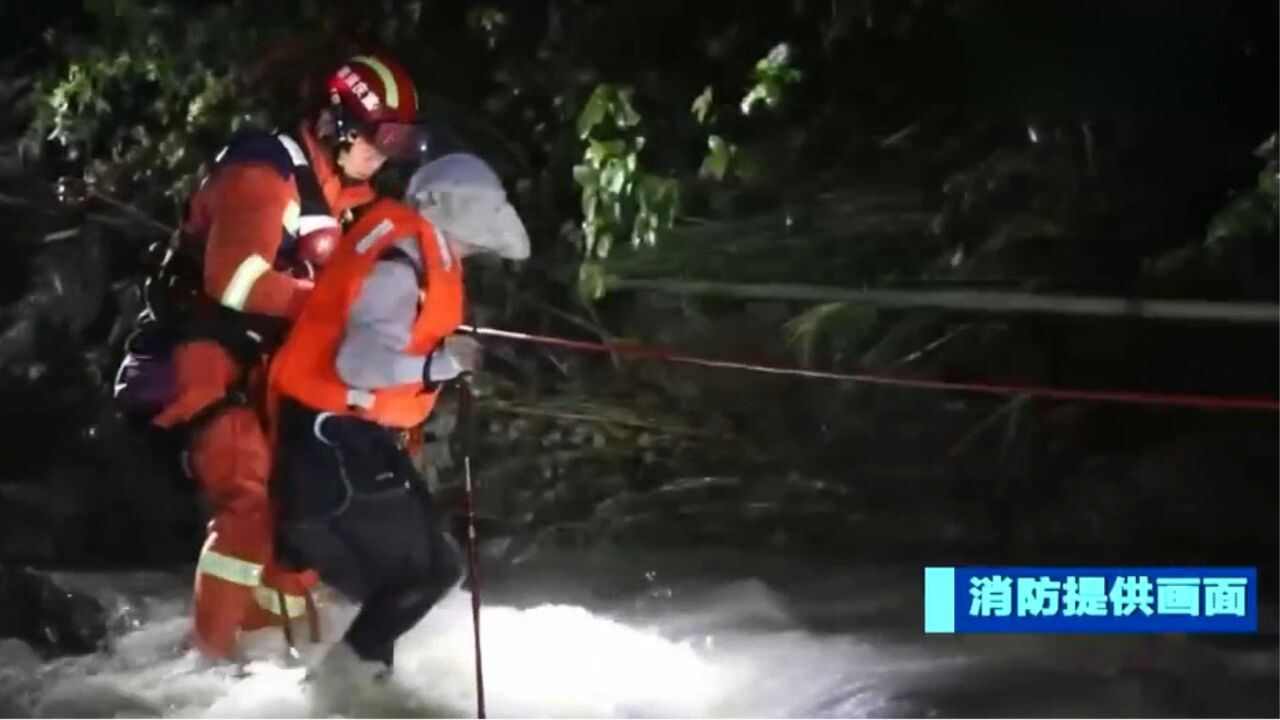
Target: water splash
{"type": "Point", "coordinates": [555, 661]}
{"type": "Point", "coordinates": [663, 648]}
{"type": "Point", "coordinates": [548, 661]}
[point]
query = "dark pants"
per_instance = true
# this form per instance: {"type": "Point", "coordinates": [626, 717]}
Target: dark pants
{"type": "Point", "coordinates": [352, 506]}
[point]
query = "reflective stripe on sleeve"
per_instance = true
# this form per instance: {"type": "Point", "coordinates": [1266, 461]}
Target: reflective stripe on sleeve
{"type": "Point", "coordinates": [237, 292]}
{"type": "Point", "coordinates": [292, 218]}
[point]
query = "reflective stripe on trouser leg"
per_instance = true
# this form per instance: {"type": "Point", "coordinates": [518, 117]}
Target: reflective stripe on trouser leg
{"type": "Point", "coordinates": [268, 599]}
{"type": "Point", "coordinates": [231, 459]}
{"type": "Point", "coordinates": [226, 567]}
{"type": "Point", "coordinates": [224, 586]}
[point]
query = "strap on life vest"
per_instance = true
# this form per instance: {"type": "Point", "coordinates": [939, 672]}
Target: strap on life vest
{"type": "Point", "coordinates": [411, 440]}
{"type": "Point", "coordinates": [314, 209]}
{"type": "Point", "coordinates": [400, 257]}
{"type": "Point", "coordinates": [285, 155]}
{"type": "Point", "coordinates": [172, 289]}
{"type": "Point", "coordinates": [236, 396]}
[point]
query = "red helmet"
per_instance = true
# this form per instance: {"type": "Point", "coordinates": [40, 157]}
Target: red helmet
{"type": "Point", "coordinates": [376, 97]}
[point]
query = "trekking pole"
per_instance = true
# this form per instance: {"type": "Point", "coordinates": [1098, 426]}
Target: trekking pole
{"type": "Point", "coordinates": [467, 422]}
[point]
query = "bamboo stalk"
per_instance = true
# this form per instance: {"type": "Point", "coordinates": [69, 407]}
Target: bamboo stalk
{"type": "Point", "coordinates": [972, 300]}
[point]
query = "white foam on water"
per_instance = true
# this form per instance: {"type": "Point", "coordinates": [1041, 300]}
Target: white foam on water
{"type": "Point", "coordinates": [733, 650]}
{"type": "Point", "coordinates": [553, 660]}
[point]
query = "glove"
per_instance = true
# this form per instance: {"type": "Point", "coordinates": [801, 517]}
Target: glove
{"type": "Point", "coordinates": [317, 246]}
{"type": "Point", "coordinates": [466, 352]}
{"type": "Point", "coordinates": [312, 252]}
{"type": "Point", "coordinates": [458, 354]}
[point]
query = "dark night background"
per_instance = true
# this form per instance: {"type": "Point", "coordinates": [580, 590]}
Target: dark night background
{"type": "Point", "coordinates": [1124, 149]}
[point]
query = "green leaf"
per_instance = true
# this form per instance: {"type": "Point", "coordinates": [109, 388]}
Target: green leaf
{"type": "Point", "coordinates": [613, 177]}
{"type": "Point", "coordinates": [624, 113]}
{"type": "Point", "coordinates": [771, 75]}
{"type": "Point", "coordinates": [593, 112]}
{"type": "Point", "coordinates": [847, 324]}
{"type": "Point", "coordinates": [586, 176]}
{"type": "Point", "coordinates": [667, 201]}
{"type": "Point", "coordinates": [1268, 148]}
{"type": "Point", "coordinates": [716, 163]}
{"type": "Point", "coordinates": [757, 94]}
{"type": "Point", "coordinates": [590, 201]}
{"type": "Point", "coordinates": [778, 58]}
{"type": "Point", "coordinates": [1269, 181]}
{"type": "Point", "coordinates": [601, 150]}
{"type": "Point", "coordinates": [702, 106]}
{"type": "Point", "coordinates": [1249, 214]}
{"type": "Point", "coordinates": [591, 284]}
{"type": "Point", "coordinates": [614, 208]}
{"type": "Point", "coordinates": [603, 244]}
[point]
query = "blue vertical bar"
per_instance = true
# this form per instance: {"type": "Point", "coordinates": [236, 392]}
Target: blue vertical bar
{"type": "Point", "coordinates": [939, 600]}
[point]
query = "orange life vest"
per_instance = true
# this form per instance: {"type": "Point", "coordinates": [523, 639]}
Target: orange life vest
{"type": "Point", "coordinates": [305, 369]}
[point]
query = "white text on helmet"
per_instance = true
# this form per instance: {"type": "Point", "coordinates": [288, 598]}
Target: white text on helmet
{"type": "Point", "coordinates": [361, 89]}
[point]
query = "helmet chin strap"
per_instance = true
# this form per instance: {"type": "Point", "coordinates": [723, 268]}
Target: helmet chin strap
{"type": "Point", "coordinates": [338, 148]}
{"type": "Point", "coordinates": [333, 134]}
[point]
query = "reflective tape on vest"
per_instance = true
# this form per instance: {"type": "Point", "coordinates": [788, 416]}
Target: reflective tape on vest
{"type": "Point", "coordinates": [292, 216]}
{"type": "Point", "coordinates": [268, 599]}
{"type": "Point", "coordinates": [292, 147]}
{"type": "Point", "coordinates": [362, 399]}
{"type": "Point", "coordinates": [231, 569]}
{"type": "Point", "coordinates": [446, 256]}
{"type": "Point", "coordinates": [377, 233]}
{"type": "Point", "coordinates": [237, 292]}
{"type": "Point", "coordinates": [310, 223]}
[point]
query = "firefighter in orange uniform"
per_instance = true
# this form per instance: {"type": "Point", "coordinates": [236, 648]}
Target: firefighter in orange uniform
{"type": "Point", "coordinates": [260, 224]}
{"type": "Point", "coordinates": [363, 363]}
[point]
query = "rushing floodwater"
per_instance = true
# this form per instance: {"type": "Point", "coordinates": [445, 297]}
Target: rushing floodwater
{"type": "Point", "coordinates": [689, 635]}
